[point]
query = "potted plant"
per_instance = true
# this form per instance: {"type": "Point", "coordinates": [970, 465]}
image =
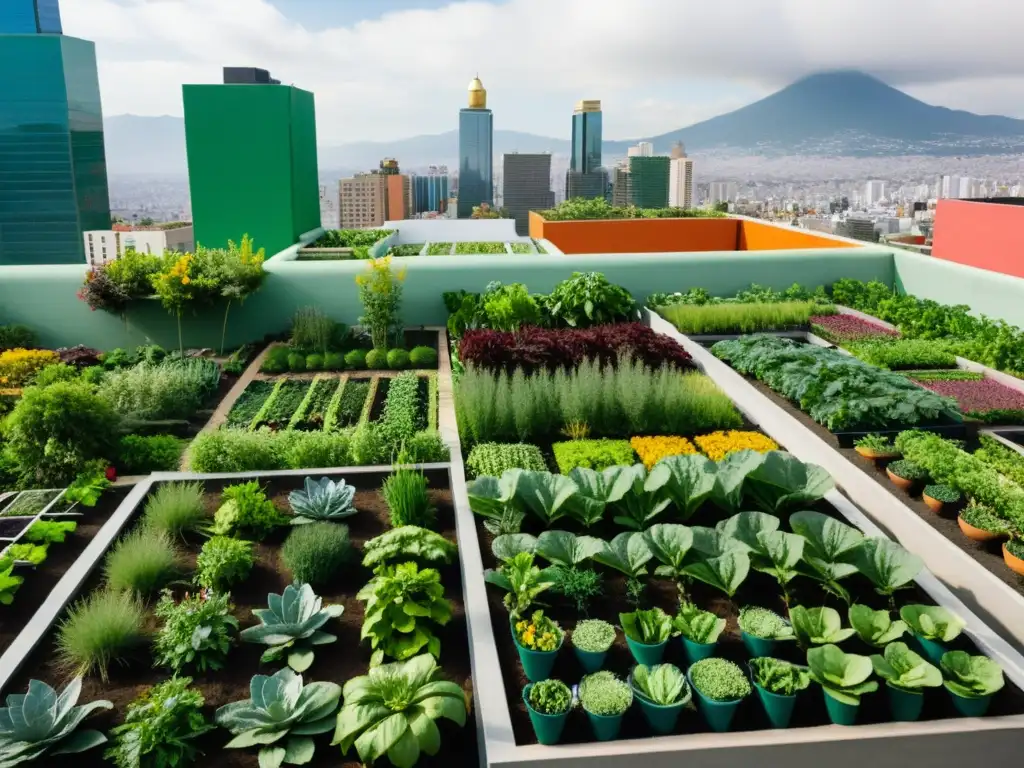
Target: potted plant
{"type": "Point", "coordinates": [762, 629]}
{"type": "Point", "coordinates": [843, 678]}
{"type": "Point", "coordinates": [938, 495]}
{"type": "Point", "coordinates": [906, 676]}
{"type": "Point", "coordinates": [981, 523]}
{"type": "Point", "coordinates": [720, 687]}
{"type": "Point", "coordinates": [906, 474]}
{"type": "Point", "coordinates": [933, 626]}
{"type": "Point", "coordinates": [818, 626]}
{"type": "Point", "coordinates": [548, 703]}
{"type": "Point", "coordinates": [537, 640]}
{"type": "Point", "coordinates": [777, 683]}
{"type": "Point", "coordinates": [591, 640]}
{"type": "Point", "coordinates": [1013, 555]}
{"type": "Point", "coordinates": [647, 634]}
{"type": "Point", "coordinates": [971, 681]}
{"type": "Point", "coordinates": [875, 628]}
{"type": "Point", "coordinates": [662, 691]}
{"type": "Point", "coordinates": [605, 698]}
{"type": "Point", "coordinates": [699, 630]}
{"type": "Point", "coordinates": [875, 447]}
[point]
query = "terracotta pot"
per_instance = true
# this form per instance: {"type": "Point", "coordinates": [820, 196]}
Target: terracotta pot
{"type": "Point", "coordinates": [976, 534]}
{"type": "Point", "coordinates": [871, 453]}
{"type": "Point", "coordinates": [900, 482]}
{"type": "Point", "coordinates": [1013, 562]}
{"type": "Point", "coordinates": [933, 504]}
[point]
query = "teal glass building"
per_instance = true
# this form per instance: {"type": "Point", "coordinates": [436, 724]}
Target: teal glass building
{"type": "Point", "coordinates": [430, 193]}
{"type": "Point", "coordinates": [476, 152]}
{"type": "Point", "coordinates": [53, 175]}
{"type": "Point", "coordinates": [29, 17]}
{"type": "Point", "coordinates": [586, 137]}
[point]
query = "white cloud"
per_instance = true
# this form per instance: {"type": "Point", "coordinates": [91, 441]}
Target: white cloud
{"type": "Point", "coordinates": [660, 64]}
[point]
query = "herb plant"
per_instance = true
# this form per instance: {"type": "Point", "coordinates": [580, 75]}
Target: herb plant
{"type": "Point", "coordinates": [523, 581]}
{"type": "Point", "coordinates": [143, 562]}
{"type": "Point", "coordinates": [247, 509]}
{"type": "Point", "coordinates": [880, 445]}
{"type": "Point", "coordinates": [908, 470]}
{"type": "Point", "coordinates": [586, 299]}
{"type": "Point", "coordinates": [494, 458]}
{"type": "Point", "coordinates": [550, 697]}
{"type": "Point", "coordinates": [604, 694]}
{"type": "Point", "coordinates": [580, 586]}
{"type": "Point", "coordinates": [223, 562]}
{"type": "Point", "coordinates": [765, 624]}
{"type": "Point", "coordinates": [197, 632]}
{"type": "Point", "coordinates": [410, 542]}
{"type": "Point", "coordinates": [942, 493]}
{"type": "Point", "coordinates": [405, 492]}
{"type": "Point", "coordinates": [316, 554]}
{"type": "Point", "coordinates": [719, 679]}
{"type": "Point", "coordinates": [779, 677]}
{"type": "Point", "coordinates": [593, 636]}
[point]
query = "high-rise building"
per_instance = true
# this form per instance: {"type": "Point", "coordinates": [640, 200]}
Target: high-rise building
{"type": "Point", "coordinates": [370, 199]}
{"type": "Point", "coordinates": [53, 172]}
{"type": "Point", "coordinates": [527, 187]}
{"type": "Point", "coordinates": [642, 149]}
{"type": "Point", "coordinates": [874, 191]}
{"type": "Point", "coordinates": [650, 177]}
{"type": "Point", "coordinates": [585, 176]}
{"type": "Point", "coordinates": [950, 187]}
{"type": "Point", "coordinates": [431, 190]}
{"type": "Point", "coordinates": [589, 185]}
{"type": "Point", "coordinates": [255, 176]}
{"type": "Point", "coordinates": [680, 179]}
{"type": "Point", "coordinates": [722, 192]}
{"type": "Point", "coordinates": [622, 186]}
{"type": "Point", "coordinates": [476, 151]}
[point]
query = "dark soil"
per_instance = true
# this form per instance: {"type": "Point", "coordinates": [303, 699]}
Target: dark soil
{"type": "Point", "coordinates": [377, 409]}
{"type": "Point", "coordinates": [338, 662]}
{"type": "Point", "coordinates": [353, 398]}
{"type": "Point", "coordinates": [41, 580]}
{"type": "Point", "coordinates": [12, 526]}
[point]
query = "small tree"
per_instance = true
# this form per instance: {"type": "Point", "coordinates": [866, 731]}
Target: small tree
{"type": "Point", "coordinates": [380, 291]}
{"type": "Point", "coordinates": [241, 274]}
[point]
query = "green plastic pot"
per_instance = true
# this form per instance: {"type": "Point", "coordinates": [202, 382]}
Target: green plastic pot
{"type": "Point", "coordinates": [591, 661]}
{"type": "Point", "coordinates": [661, 718]}
{"type": "Point", "coordinates": [971, 706]}
{"type": "Point", "coordinates": [932, 649]}
{"type": "Point", "coordinates": [717, 714]}
{"type": "Point", "coordinates": [548, 728]}
{"type": "Point", "coordinates": [697, 651]}
{"type": "Point", "coordinates": [605, 727]}
{"type": "Point", "coordinates": [758, 646]}
{"type": "Point", "coordinates": [648, 655]}
{"type": "Point", "coordinates": [779, 708]}
{"type": "Point", "coordinates": [536, 664]}
{"type": "Point", "coordinates": [839, 712]}
{"type": "Point", "coordinates": [905, 706]}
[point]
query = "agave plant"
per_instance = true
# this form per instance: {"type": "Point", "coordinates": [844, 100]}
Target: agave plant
{"type": "Point", "coordinates": [391, 711]}
{"type": "Point", "coordinates": [291, 625]}
{"type": "Point", "coordinates": [322, 499]}
{"type": "Point", "coordinates": [41, 722]}
{"type": "Point", "coordinates": [280, 717]}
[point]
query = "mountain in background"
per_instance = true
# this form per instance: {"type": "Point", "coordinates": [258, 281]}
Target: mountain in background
{"type": "Point", "coordinates": [833, 113]}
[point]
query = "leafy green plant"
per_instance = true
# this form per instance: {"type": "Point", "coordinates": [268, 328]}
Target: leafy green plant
{"type": "Point", "coordinates": [176, 508]}
{"type": "Point", "coordinates": [886, 564]}
{"type": "Point", "coordinates": [932, 622]}
{"type": "Point", "coordinates": [523, 581]}
{"type": "Point", "coordinates": [903, 354]}
{"type": "Point", "coordinates": [781, 482]}
{"type": "Point", "coordinates": [280, 717]}
{"type": "Point", "coordinates": [291, 625]}
{"type": "Point", "coordinates": [50, 531]}
{"type": "Point", "coordinates": [876, 628]}
{"type": "Point", "coordinates": [580, 586]}
{"type": "Point", "coordinates": [908, 470]}
{"type": "Point", "coordinates": [494, 458]}
{"type": "Point", "coordinates": [315, 554]}
{"type": "Point", "coordinates": [698, 626]}
{"type": "Point", "coordinates": [879, 444]}
{"type": "Point", "coordinates": [970, 677]}
{"type": "Point", "coordinates": [507, 546]}
{"type": "Point", "coordinates": [103, 628]}
{"type": "Point", "coordinates": [593, 636]}
{"type": "Point", "coordinates": [765, 624]}
{"type": "Point", "coordinates": [591, 454]}
{"type": "Point", "coordinates": [828, 544]}
{"type": "Point", "coordinates": [985, 518]}
{"type": "Point", "coordinates": [404, 414]}
{"type": "Point", "coordinates": [739, 318]}
{"type": "Point", "coordinates": [818, 625]}
{"type": "Point", "coordinates": [567, 549]}
{"type": "Point", "coordinates": [843, 676]}
{"type": "Point", "coordinates": [640, 496]}
{"type": "Point", "coordinates": [410, 542]}
{"type": "Point", "coordinates": [42, 722]}
{"type": "Point", "coordinates": [595, 491]}
{"type": "Point", "coordinates": [904, 670]}
{"type": "Point", "coordinates": [143, 562]}
{"type": "Point", "coordinates": [322, 499]}
{"type": "Point", "coordinates": [604, 694]}
{"type": "Point", "coordinates": [586, 299]}
{"type": "Point", "coordinates": [670, 543]}
{"type": "Point", "coordinates": [197, 632]}
{"type": "Point", "coordinates": [409, 696]}
{"type": "Point", "coordinates": [725, 571]}
{"type": "Point", "coordinates": [942, 493]}
{"type": "Point", "coordinates": [550, 697]}
{"type": "Point", "coordinates": [89, 485]}
{"type": "Point", "coordinates": [779, 677]}
{"type": "Point", "coordinates": [9, 584]}
{"type": "Point", "coordinates": [689, 481]}
{"type": "Point", "coordinates": [160, 727]}
{"type": "Point", "coordinates": [651, 627]}
{"type": "Point", "coordinates": [627, 553]}
{"type": "Point", "coordinates": [662, 684]}
{"type": "Point", "coordinates": [405, 492]}
{"type": "Point", "coordinates": [172, 389]}
{"type": "Point", "coordinates": [246, 508]}
{"type": "Point", "coordinates": [719, 680]}
{"type": "Point", "coordinates": [403, 604]}
{"type": "Point", "coordinates": [223, 562]}
{"type": "Point", "coordinates": [142, 454]}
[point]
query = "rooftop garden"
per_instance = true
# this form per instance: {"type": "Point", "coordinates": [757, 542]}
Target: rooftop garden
{"type": "Point", "coordinates": [581, 208]}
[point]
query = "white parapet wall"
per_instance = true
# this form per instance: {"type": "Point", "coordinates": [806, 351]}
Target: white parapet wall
{"type": "Point", "coordinates": [455, 231]}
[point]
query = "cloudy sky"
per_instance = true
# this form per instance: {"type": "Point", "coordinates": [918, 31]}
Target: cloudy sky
{"type": "Point", "coordinates": [387, 69]}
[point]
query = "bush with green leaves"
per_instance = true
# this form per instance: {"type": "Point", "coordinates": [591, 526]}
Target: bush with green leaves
{"type": "Point", "coordinates": [494, 458]}
{"type": "Point", "coordinates": [876, 628]}
{"type": "Point", "coordinates": [985, 518]}
{"type": "Point", "coordinates": [195, 633]}
{"type": "Point", "coordinates": [593, 636]}
{"type": "Point", "coordinates": [42, 722]}
{"type": "Point", "coordinates": [663, 684]}
{"type": "Point", "coordinates": [296, 362]}
{"type": "Point", "coordinates": [843, 676]}
{"type": "Point", "coordinates": [281, 717]}
{"type": "Point", "coordinates": [550, 697]}
{"type": "Point", "coordinates": [160, 727]}
{"type": "Point", "coordinates": [315, 554]}
{"type": "Point", "coordinates": [376, 359]}
{"type": "Point", "coordinates": [696, 625]}
{"type": "Point", "coordinates": [176, 508]}
{"type": "Point", "coordinates": [765, 624]}
{"type": "Point", "coordinates": [586, 299]}
{"type": "Point", "coordinates": [49, 531]}
{"type": "Point", "coordinates": [410, 542]}
{"type": "Point", "coordinates": [650, 627]}
{"type": "Point", "coordinates": [291, 625]}
{"type": "Point", "coordinates": [314, 362]}
{"type": "Point", "coordinates": [970, 677]}
{"type": "Point", "coordinates": [322, 500]}
{"type": "Point", "coordinates": [405, 492]}
{"type": "Point", "coordinates": [779, 677]}
{"type": "Point", "coordinates": [604, 694]}
{"type": "Point", "coordinates": [423, 358]}
{"type": "Point", "coordinates": [398, 359]}
{"type": "Point", "coordinates": [142, 454]}
{"type": "Point", "coordinates": [905, 670]}
{"type": "Point", "coordinates": [246, 509]}
{"type": "Point", "coordinates": [719, 679]}
{"type": "Point", "coordinates": [223, 562]}
{"type": "Point", "coordinates": [403, 605]}
{"type": "Point", "coordinates": [356, 359]}
{"type": "Point", "coordinates": [598, 455]}
{"type": "Point", "coordinates": [236, 450]}
{"type": "Point", "coordinates": [142, 562]}
{"type": "Point", "coordinates": [580, 586]}
{"type": "Point", "coordinates": [104, 628]}
{"type": "Point", "coordinates": [933, 622]}
{"type": "Point", "coordinates": [172, 389]}
{"type": "Point", "coordinates": [409, 696]}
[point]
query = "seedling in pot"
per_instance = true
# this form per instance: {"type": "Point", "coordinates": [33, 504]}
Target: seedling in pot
{"type": "Point", "coordinates": [779, 677]}
{"type": "Point", "coordinates": [875, 446]}
{"type": "Point", "coordinates": [844, 679]}
{"type": "Point", "coordinates": [906, 675]}
{"type": "Point", "coordinates": [818, 626]}
{"type": "Point", "coordinates": [876, 628]}
{"type": "Point", "coordinates": [933, 626]}
{"type": "Point", "coordinates": [550, 697]}
{"type": "Point", "coordinates": [762, 628]}
{"type": "Point", "coordinates": [720, 687]}
{"type": "Point", "coordinates": [699, 626]}
{"type": "Point", "coordinates": [591, 640]}
{"type": "Point", "coordinates": [971, 681]}
{"type": "Point", "coordinates": [647, 632]}
{"type": "Point", "coordinates": [605, 698]}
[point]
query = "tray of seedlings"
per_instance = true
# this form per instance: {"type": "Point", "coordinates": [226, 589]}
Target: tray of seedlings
{"type": "Point", "coordinates": [287, 619]}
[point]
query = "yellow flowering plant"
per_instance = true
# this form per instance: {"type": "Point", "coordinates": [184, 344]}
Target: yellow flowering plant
{"type": "Point", "coordinates": [717, 445]}
{"type": "Point", "coordinates": [538, 633]}
{"type": "Point", "coordinates": [651, 450]}
{"type": "Point", "coordinates": [380, 291]}
{"type": "Point", "coordinates": [18, 366]}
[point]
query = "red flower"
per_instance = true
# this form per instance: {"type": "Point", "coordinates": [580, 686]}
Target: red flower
{"type": "Point", "coordinates": [111, 473]}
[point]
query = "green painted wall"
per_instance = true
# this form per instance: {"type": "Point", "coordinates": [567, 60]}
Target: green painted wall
{"type": "Point", "coordinates": [252, 163]}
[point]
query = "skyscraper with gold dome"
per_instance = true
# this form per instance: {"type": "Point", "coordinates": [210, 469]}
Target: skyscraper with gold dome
{"type": "Point", "coordinates": [476, 151]}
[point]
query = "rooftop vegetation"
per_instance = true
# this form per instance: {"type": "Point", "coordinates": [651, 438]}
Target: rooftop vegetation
{"type": "Point", "coordinates": [581, 208]}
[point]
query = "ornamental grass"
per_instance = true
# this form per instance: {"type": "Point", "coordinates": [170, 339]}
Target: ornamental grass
{"type": "Point", "coordinates": [741, 318]}
{"type": "Point", "coordinates": [717, 445]}
{"type": "Point", "coordinates": [651, 450]}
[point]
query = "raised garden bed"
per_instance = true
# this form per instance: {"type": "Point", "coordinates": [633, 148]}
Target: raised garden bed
{"type": "Point", "coordinates": [986, 400]}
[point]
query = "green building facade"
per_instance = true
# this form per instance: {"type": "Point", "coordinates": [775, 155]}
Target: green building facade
{"type": "Point", "coordinates": [252, 164]}
{"type": "Point", "coordinates": [649, 181]}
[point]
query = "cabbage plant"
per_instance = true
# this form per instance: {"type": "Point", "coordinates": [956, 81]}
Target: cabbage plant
{"type": "Point", "coordinates": [970, 677]}
{"type": "Point", "coordinates": [905, 670]}
{"type": "Point", "coordinates": [595, 491]}
{"type": "Point", "coordinates": [291, 625]}
{"type": "Point", "coordinates": [781, 482]}
{"type": "Point", "coordinates": [322, 499]}
{"type": "Point", "coordinates": [650, 627]}
{"type": "Point", "coordinates": [696, 625]}
{"type": "Point", "coordinates": [779, 677]}
{"type": "Point", "coordinates": [876, 628]}
{"type": "Point", "coordinates": [687, 480]}
{"type": "Point", "coordinates": [507, 546]}
{"type": "Point", "coordinates": [843, 676]}
{"type": "Point", "coordinates": [932, 622]}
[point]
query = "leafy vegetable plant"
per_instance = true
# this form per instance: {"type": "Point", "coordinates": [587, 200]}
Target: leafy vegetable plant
{"type": "Point", "coordinates": [687, 480]}
{"type": "Point", "coordinates": [932, 622]}
{"type": "Point", "coordinates": [662, 684]}
{"type": "Point", "coordinates": [876, 628]}
{"type": "Point", "coordinates": [969, 676]}
{"type": "Point", "coordinates": [650, 627]}
{"type": "Point", "coordinates": [523, 581]}
{"type": "Point", "coordinates": [828, 546]}
{"type": "Point", "coordinates": [779, 677]}
{"type": "Point", "coordinates": [781, 482]}
{"type": "Point", "coordinates": [409, 542]}
{"type": "Point", "coordinates": [640, 496]}
{"type": "Point", "coordinates": [905, 670]}
{"type": "Point", "coordinates": [765, 624]}
{"type": "Point", "coordinates": [403, 603]}
{"type": "Point", "coordinates": [696, 625]}
{"type": "Point", "coordinates": [843, 676]}
{"type": "Point", "coordinates": [195, 632]}
{"type": "Point", "coordinates": [223, 562]}
{"type": "Point", "coordinates": [887, 565]}
{"type": "Point", "coordinates": [567, 549]}
{"type": "Point", "coordinates": [291, 625]}
{"type": "Point", "coordinates": [550, 697]}
{"type": "Point", "coordinates": [818, 625]}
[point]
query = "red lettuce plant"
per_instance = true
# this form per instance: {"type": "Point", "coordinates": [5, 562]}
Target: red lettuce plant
{"type": "Point", "coordinates": [839, 328]}
{"type": "Point", "coordinates": [987, 400]}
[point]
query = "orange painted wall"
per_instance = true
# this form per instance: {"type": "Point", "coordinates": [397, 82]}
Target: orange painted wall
{"type": "Point", "coordinates": [758, 236]}
{"type": "Point", "coordinates": [638, 235]}
{"type": "Point", "coordinates": [984, 235]}
{"type": "Point", "coordinates": [396, 198]}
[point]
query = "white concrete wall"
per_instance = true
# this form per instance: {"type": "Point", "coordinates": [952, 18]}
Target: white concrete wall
{"type": "Point", "coordinates": [456, 230]}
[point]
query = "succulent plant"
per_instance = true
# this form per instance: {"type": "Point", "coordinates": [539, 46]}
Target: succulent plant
{"type": "Point", "coordinates": [41, 722]}
{"type": "Point", "coordinates": [291, 624]}
{"type": "Point", "coordinates": [322, 499]}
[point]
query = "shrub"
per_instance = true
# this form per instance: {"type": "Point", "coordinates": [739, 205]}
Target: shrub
{"type": "Point", "coordinates": [197, 632]}
{"type": "Point", "coordinates": [410, 542]}
{"type": "Point", "coordinates": [142, 454]}
{"type": "Point", "coordinates": [405, 492]}
{"type": "Point", "coordinates": [143, 562]}
{"type": "Point", "coordinates": [425, 447]}
{"type": "Point", "coordinates": [719, 680]}
{"type": "Point", "coordinates": [380, 291]}
{"type": "Point", "coordinates": [369, 446]}
{"type": "Point", "coordinates": [316, 553]}
{"type": "Point", "coordinates": [296, 362]}
{"type": "Point", "coordinates": [586, 299]}
{"type": "Point", "coordinates": [176, 508]}
{"type": "Point", "coordinates": [604, 694]}
{"type": "Point", "coordinates": [398, 359]}
{"type": "Point", "coordinates": [104, 628]}
{"type": "Point", "coordinates": [173, 389]}
{"type": "Point", "coordinates": [314, 362]}
{"type": "Point", "coordinates": [593, 636]}
{"type": "Point", "coordinates": [942, 493]}
{"type": "Point", "coordinates": [403, 603]}
{"type": "Point", "coordinates": [423, 357]}
{"type": "Point", "coordinates": [223, 562]}
{"type": "Point", "coordinates": [494, 458]}
{"type": "Point", "coordinates": [18, 366]}
{"type": "Point", "coordinates": [908, 470]}
{"type": "Point", "coordinates": [592, 454]}
{"type": "Point", "coordinates": [1001, 458]}
{"type": "Point", "coordinates": [276, 360]}
{"type": "Point", "coordinates": [235, 450]}
{"type": "Point", "coordinates": [246, 508]}
{"type": "Point", "coordinates": [376, 359]}
{"type": "Point", "coordinates": [51, 374]}
{"type": "Point", "coordinates": [334, 361]}
{"type": "Point", "coordinates": [356, 359]}
{"type": "Point", "coordinates": [314, 450]}
{"type": "Point", "coordinates": [17, 337]}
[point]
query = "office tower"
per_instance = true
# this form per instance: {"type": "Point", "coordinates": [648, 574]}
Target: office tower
{"type": "Point", "coordinates": [363, 200]}
{"type": "Point", "coordinates": [722, 192]}
{"type": "Point", "coordinates": [527, 187]}
{"type": "Point", "coordinates": [53, 171]}
{"type": "Point", "coordinates": [680, 179]}
{"type": "Point", "coordinates": [950, 187]}
{"type": "Point", "coordinates": [397, 190]}
{"type": "Point", "coordinates": [585, 176]}
{"type": "Point", "coordinates": [874, 191]}
{"type": "Point", "coordinates": [622, 186]}
{"type": "Point", "coordinates": [476, 151]}
{"type": "Point", "coordinates": [431, 190]}
{"type": "Point", "coordinates": [649, 181]}
{"type": "Point", "coordinates": [251, 163]}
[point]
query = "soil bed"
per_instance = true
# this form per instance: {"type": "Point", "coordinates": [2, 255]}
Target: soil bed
{"type": "Point", "coordinates": [377, 408]}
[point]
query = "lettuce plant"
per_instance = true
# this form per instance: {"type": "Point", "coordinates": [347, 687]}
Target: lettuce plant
{"type": "Point", "coordinates": [507, 546]}
{"type": "Point", "coordinates": [765, 624]}
{"type": "Point", "coordinates": [688, 481]}
{"type": "Point", "coordinates": [650, 627]}
{"type": "Point", "coordinates": [491, 498]}
{"type": "Point", "coordinates": [887, 565]}
{"type": "Point", "coordinates": [567, 549]}
{"type": "Point", "coordinates": [408, 542]}
{"type": "Point", "coordinates": [523, 581]}
{"type": "Point", "coordinates": [391, 712]}
{"type": "Point", "coordinates": [828, 546]}
{"type": "Point", "coordinates": [781, 482]}
{"type": "Point", "coordinates": [779, 677]}
{"type": "Point", "coordinates": [696, 625]}
{"type": "Point", "coordinates": [641, 497]}
{"type": "Point", "coordinates": [550, 697]}
{"type": "Point", "coordinates": [905, 670]}
{"type": "Point", "coordinates": [662, 684]}
{"type": "Point", "coordinates": [932, 622]}
{"type": "Point", "coordinates": [403, 602]}
{"type": "Point", "coordinates": [818, 625]}
{"type": "Point", "coordinates": [970, 677]}
{"type": "Point", "coordinates": [291, 625]}
{"type": "Point", "coordinates": [843, 676]}
{"type": "Point", "coordinates": [876, 628]}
